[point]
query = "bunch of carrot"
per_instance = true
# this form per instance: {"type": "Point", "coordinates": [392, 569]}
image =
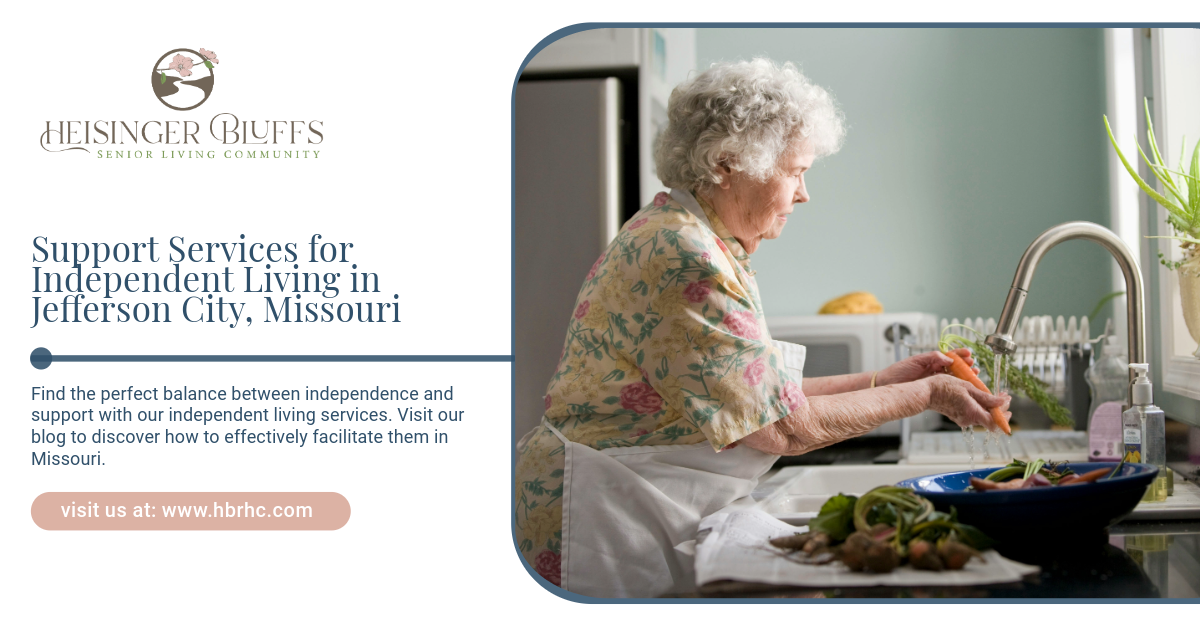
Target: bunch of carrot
{"type": "Point", "coordinates": [1019, 380]}
{"type": "Point", "coordinates": [959, 369]}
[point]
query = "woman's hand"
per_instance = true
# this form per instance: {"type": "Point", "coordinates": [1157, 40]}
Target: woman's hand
{"type": "Point", "coordinates": [828, 419]}
{"type": "Point", "coordinates": [920, 367]}
{"type": "Point", "coordinates": [963, 403]}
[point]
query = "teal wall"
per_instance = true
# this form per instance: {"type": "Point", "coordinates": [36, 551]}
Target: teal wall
{"type": "Point", "coordinates": [963, 145]}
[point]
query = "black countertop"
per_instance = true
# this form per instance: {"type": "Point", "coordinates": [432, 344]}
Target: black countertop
{"type": "Point", "coordinates": [1140, 560]}
{"type": "Point", "coordinates": [1136, 560]}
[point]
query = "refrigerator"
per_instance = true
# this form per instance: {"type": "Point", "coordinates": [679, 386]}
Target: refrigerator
{"type": "Point", "coordinates": [568, 205]}
{"type": "Point", "coordinates": [586, 112]}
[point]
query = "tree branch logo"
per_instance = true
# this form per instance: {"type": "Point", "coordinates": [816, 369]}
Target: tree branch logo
{"type": "Point", "coordinates": [183, 78]}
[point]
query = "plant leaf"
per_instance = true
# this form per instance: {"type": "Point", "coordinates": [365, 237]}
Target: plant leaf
{"type": "Point", "coordinates": [1193, 185]}
{"type": "Point", "coordinates": [1104, 301]}
{"type": "Point", "coordinates": [1159, 198]}
{"type": "Point", "coordinates": [1033, 468]}
{"type": "Point", "coordinates": [162, 78]}
{"type": "Point", "coordinates": [1150, 133]}
{"type": "Point", "coordinates": [1167, 183]}
{"type": "Point", "coordinates": [208, 64]}
{"type": "Point", "coordinates": [973, 536]}
{"type": "Point", "coordinates": [1181, 238]}
{"type": "Point", "coordinates": [836, 517]}
{"type": "Point", "coordinates": [1182, 174]}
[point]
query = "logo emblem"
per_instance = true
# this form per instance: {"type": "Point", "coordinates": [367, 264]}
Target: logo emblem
{"type": "Point", "coordinates": [183, 78]}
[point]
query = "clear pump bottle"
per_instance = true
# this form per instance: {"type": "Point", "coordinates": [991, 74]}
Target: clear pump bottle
{"type": "Point", "coordinates": [1144, 432]}
{"type": "Point", "coordinates": [1108, 379]}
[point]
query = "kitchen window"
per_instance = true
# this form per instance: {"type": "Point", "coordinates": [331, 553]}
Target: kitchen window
{"type": "Point", "coordinates": [1167, 63]}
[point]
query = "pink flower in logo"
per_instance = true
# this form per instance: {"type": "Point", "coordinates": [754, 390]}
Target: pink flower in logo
{"type": "Point", "coordinates": [182, 64]}
{"type": "Point", "coordinates": [661, 199]}
{"type": "Point", "coordinates": [595, 268]}
{"type": "Point", "coordinates": [697, 291]}
{"type": "Point", "coordinates": [548, 402]}
{"type": "Point", "coordinates": [549, 566]}
{"type": "Point", "coordinates": [743, 324]}
{"type": "Point", "coordinates": [210, 55]}
{"type": "Point", "coordinates": [641, 398]}
{"type": "Point", "coordinates": [582, 310]}
{"type": "Point", "coordinates": [637, 223]}
{"type": "Point", "coordinates": [792, 396]}
{"type": "Point", "coordinates": [754, 372]}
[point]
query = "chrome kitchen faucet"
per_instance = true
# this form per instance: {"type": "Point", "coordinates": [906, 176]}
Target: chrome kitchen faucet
{"type": "Point", "coordinates": [1002, 341]}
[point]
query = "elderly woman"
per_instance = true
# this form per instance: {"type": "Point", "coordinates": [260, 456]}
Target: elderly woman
{"type": "Point", "coordinates": [670, 398]}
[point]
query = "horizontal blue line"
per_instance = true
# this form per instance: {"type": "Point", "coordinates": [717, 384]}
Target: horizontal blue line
{"type": "Point", "coordinates": [283, 358]}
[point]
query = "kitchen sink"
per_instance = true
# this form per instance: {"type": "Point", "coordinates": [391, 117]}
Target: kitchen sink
{"type": "Point", "coordinates": [795, 494]}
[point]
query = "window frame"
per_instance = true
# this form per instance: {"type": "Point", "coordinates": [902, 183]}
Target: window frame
{"type": "Point", "coordinates": [1177, 374]}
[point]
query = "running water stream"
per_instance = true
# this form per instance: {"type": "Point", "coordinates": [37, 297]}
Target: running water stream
{"type": "Point", "coordinates": [969, 436]}
{"type": "Point", "coordinates": [991, 434]}
{"type": "Point", "coordinates": [999, 372]}
{"type": "Point", "coordinates": [990, 437]}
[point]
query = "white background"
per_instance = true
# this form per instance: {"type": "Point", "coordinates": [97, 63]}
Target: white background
{"type": "Point", "coordinates": [415, 170]}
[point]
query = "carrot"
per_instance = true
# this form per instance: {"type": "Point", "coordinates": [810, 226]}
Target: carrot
{"type": "Point", "coordinates": [960, 370]}
{"type": "Point", "coordinates": [1090, 476]}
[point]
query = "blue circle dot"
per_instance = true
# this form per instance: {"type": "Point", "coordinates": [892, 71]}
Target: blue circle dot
{"type": "Point", "coordinates": [40, 358]}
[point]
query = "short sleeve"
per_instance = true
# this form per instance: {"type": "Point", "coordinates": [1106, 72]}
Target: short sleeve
{"type": "Point", "coordinates": [710, 355]}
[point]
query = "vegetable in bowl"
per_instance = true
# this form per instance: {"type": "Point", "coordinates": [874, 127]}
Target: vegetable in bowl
{"type": "Point", "coordinates": [1037, 474]}
{"type": "Point", "coordinates": [1020, 516]}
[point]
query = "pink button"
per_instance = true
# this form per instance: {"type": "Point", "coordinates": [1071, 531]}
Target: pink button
{"type": "Point", "coordinates": [190, 511]}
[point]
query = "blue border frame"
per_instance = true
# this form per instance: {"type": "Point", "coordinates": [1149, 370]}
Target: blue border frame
{"type": "Point", "coordinates": [575, 28]}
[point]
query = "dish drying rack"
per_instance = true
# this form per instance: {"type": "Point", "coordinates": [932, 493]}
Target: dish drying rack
{"type": "Point", "coordinates": [1056, 350]}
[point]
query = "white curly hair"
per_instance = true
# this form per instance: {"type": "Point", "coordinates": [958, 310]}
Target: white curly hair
{"type": "Point", "coordinates": [745, 115]}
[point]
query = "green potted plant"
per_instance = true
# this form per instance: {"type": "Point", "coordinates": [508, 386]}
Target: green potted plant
{"type": "Point", "coordinates": [1181, 199]}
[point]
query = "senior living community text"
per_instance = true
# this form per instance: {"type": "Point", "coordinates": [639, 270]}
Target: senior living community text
{"type": "Point", "coordinates": [85, 282]}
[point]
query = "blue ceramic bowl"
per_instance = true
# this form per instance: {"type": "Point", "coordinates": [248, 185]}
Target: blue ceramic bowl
{"type": "Point", "coordinates": [1076, 508]}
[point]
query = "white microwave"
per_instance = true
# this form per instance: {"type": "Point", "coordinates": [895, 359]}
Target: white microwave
{"type": "Point", "coordinates": [838, 344]}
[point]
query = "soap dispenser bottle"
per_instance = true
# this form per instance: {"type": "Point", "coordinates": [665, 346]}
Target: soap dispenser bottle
{"type": "Point", "coordinates": [1108, 379]}
{"type": "Point", "coordinates": [1144, 432]}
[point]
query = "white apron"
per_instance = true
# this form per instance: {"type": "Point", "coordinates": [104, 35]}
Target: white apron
{"type": "Point", "coordinates": [625, 509]}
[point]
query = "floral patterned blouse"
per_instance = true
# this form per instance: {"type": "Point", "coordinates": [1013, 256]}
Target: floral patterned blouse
{"type": "Point", "coordinates": [667, 345]}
